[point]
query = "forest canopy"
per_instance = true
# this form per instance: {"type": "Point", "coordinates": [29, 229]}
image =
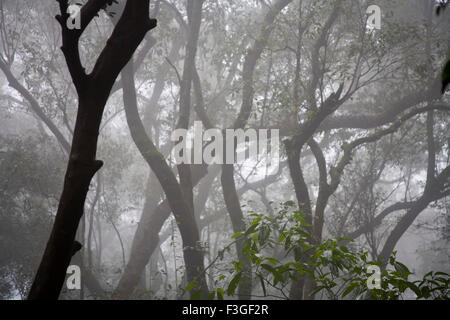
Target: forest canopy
{"type": "Point", "coordinates": [219, 149]}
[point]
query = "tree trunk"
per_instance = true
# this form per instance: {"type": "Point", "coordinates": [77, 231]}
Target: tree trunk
{"type": "Point", "coordinates": [93, 91]}
{"type": "Point", "coordinates": [182, 211]}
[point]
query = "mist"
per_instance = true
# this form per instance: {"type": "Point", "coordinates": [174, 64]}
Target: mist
{"type": "Point", "coordinates": [322, 150]}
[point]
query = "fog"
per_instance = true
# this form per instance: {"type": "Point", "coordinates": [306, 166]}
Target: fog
{"type": "Point", "coordinates": [339, 107]}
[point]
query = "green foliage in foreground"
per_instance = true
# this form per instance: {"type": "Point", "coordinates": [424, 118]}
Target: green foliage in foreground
{"type": "Point", "coordinates": [337, 271]}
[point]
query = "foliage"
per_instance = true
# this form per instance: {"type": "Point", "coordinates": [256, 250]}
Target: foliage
{"type": "Point", "coordinates": [337, 271]}
{"type": "Point", "coordinates": [393, 67]}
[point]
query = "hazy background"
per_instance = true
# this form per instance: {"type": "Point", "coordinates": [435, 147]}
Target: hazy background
{"type": "Point", "coordinates": [385, 74]}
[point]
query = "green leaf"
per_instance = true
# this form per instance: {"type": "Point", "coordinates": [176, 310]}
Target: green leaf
{"type": "Point", "coordinates": [425, 292]}
{"type": "Point", "coordinates": [272, 260]}
{"type": "Point", "coordinates": [317, 254]}
{"type": "Point", "coordinates": [277, 274]}
{"type": "Point", "coordinates": [349, 289]}
{"type": "Point", "coordinates": [300, 219]}
{"type": "Point", "coordinates": [264, 234]}
{"type": "Point", "coordinates": [282, 237]}
{"type": "Point", "coordinates": [402, 285]}
{"type": "Point", "coordinates": [191, 286]}
{"type": "Point", "coordinates": [287, 243]}
{"type": "Point", "coordinates": [254, 237]}
{"type": "Point", "coordinates": [402, 269]}
{"type": "Point", "coordinates": [439, 273]}
{"type": "Point", "coordinates": [251, 229]}
{"type": "Point", "coordinates": [317, 289]}
{"type": "Point", "coordinates": [197, 295]}
{"type": "Point", "coordinates": [237, 265]}
{"type": "Point", "coordinates": [219, 293]}
{"type": "Point", "coordinates": [414, 288]}
{"type": "Point", "coordinates": [211, 295]}
{"type": "Point", "coordinates": [289, 203]}
{"type": "Point", "coordinates": [334, 270]}
{"type": "Point", "coordinates": [269, 268]}
{"type": "Point", "coordinates": [237, 234]}
{"type": "Point", "coordinates": [234, 283]}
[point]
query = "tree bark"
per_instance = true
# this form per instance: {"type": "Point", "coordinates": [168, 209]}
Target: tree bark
{"type": "Point", "coordinates": [182, 211]}
{"type": "Point", "coordinates": [93, 91]}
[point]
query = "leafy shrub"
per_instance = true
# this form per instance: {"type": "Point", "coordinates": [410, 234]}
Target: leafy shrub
{"type": "Point", "coordinates": [336, 270]}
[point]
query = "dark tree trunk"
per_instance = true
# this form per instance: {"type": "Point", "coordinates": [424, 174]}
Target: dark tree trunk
{"type": "Point", "coordinates": [93, 91]}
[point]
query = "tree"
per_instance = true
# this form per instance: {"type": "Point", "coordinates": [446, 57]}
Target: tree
{"type": "Point", "coordinates": [360, 111]}
{"type": "Point", "coordinates": [93, 91]}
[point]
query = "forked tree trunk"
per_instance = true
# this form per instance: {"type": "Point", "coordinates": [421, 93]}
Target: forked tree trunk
{"type": "Point", "coordinates": [230, 195]}
{"type": "Point", "coordinates": [93, 91]}
{"type": "Point", "coordinates": [183, 212]}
